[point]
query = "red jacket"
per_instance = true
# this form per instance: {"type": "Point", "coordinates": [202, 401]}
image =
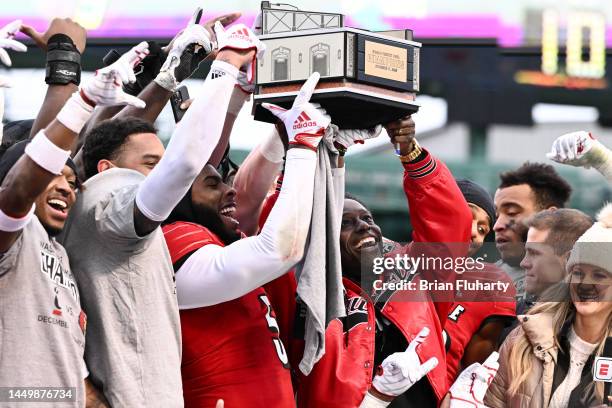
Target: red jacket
{"type": "Point", "coordinates": [439, 214]}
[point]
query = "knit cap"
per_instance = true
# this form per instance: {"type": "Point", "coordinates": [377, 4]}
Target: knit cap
{"type": "Point", "coordinates": [594, 247]}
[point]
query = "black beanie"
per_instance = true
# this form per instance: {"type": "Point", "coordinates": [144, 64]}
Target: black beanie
{"type": "Point", "coordinates": [13, 153]}
{"type": "Point", "coordinates": [477, 195]}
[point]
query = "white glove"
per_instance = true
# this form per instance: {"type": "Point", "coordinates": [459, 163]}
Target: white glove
{"type": "Point", "coordinates": [243, 82]}
{"type": "Point", "coordinates": [402, 370]}
{"type": "Point", "coordinates": [174, 71]}
{"type": "Point", "coordinates": [105, 87]}
{"type": "Point", "coordinates": [305, 124]}
{"type": "Point", "coordinates": [349, 137]}
{"type": "Point", "coordinates": [469, 389]}
{"type": "Point", "coordinates": [7, 33]}
{"type": "Point", "coordinates": [583, 150]}
{"type": "Point", "coordinates": [240, 37]}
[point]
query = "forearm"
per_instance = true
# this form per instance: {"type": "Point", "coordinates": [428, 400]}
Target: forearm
{"type": "Point", "coordinates": [254, 261]}
{"type": "Point", "coordinates": [237, 100]}
{"type": "Point", "coordinates": [600, 157]}
{"type": "Point", "coordinates": [27, 180]}
{"type": "Point", "coordinates": [155, 97]}
{"type": "Point", "coordinates": [55, 98]}
{"type": "Point", "coordinates": [253, 181]}
{"type": "Point", "coordinates": [190, 147]}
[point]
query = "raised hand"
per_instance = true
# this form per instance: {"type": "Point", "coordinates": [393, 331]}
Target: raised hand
{"type": "Point", "coordinates": [240, 37]}
{"type": "Point", "coordinates": [573, 149]}
{"type": "Point", "coordinates": [348, 137]}
{"type": "Point", "coordinates": [58, 26]}
{"type": "Point", "coordinates": [7, 41]}
{"type": "Point", "coordinates": [400, 371]}
{"type": "Point", "coordinates": [105, 88]}
{"type": "Point", "coordinates": [185, 53]}
{"type": "Point", "coordinates": [304, 123]}
{"type": "Point", "coordinates": [243, 82]}
{"type": "Point", "coordinates": [469, 389]}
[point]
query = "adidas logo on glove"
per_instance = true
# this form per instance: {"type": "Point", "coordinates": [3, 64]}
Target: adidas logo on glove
{"type": "Point", "coordinates": [303, 121]}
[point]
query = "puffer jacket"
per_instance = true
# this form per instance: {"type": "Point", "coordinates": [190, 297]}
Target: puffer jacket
{"type": "Point", "coordinates": [550, 365]}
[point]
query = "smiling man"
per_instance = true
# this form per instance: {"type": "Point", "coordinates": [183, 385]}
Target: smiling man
{"type": "Point", "coordinates": [550, 239]}
{"type": "Point", "coordinates": [232, 348]}
{"type": "Point", "coordinates": [523, 192]}
{"type": "Point", "coordinates": [116, 245]}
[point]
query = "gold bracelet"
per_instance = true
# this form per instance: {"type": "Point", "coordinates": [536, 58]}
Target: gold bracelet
{"type": "Point", "coordinates": [414, 153]}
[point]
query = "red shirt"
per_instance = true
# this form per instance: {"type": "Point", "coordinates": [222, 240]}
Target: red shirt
{"type": "Point", "coordinates": [465, 318]}
{"type": "Point", "coordinates": [231, 350]}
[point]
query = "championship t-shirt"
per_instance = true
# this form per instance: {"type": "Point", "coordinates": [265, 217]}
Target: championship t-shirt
{"type": "Point", "coordinates": [42, 326]}
{"type": "Point", "coordinates": [133, 347]}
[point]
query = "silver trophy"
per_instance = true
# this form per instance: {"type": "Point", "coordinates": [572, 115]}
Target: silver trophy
{"type": "Point", "coordinates": [367, 77]}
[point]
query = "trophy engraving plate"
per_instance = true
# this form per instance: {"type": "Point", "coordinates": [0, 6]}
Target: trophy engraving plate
{"type": "Point", "coordinates": [386, 61]}
{"type": "Point", "coordinates": [367, 78]}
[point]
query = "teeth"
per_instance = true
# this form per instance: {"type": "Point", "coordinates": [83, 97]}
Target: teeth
{"type": "Point", "coordinates": [364, 241]}
{"type": "Point", "coordinates": [61, 204]}
{"type": "Point", "coordinates": [227, 211]}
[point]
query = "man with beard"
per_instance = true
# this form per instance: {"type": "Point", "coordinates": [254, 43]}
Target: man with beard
{"type": "Point", "coordinates": [114, 238]}
{"type": "Point", "coordinates": [231, 344]}
{"type": "Point", "coordinates": [43, 326]}
{"type": "Point", "coordinates": [531, 188]}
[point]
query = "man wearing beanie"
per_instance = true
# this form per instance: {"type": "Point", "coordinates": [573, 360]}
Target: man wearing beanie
{"type": "Point", "coordinates": [477, 318]}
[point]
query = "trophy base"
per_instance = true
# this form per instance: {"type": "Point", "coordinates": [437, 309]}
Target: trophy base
{"type": "Point", "coordinates": [350, 105]}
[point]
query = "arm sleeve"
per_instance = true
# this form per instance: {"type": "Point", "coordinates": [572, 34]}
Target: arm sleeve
{"type": "Point", "coordinates": [190, 147]}
{"type": "Point", "coordinates": [441, 220]}
{"type": "Point", "coordinates": [215, 274]}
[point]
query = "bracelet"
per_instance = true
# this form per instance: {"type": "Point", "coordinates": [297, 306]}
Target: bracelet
{"type": "Point", "coordinates": [414, 153]}
{"type": "Point", "coordinates": [47, 154]}
{"type": "Point", "coordinates": [63, 61]}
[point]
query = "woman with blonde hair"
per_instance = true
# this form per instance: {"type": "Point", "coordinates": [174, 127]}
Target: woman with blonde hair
{"type": "Point", "coordinates": [547, 360]}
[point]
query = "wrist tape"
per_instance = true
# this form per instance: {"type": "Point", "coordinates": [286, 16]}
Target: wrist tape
{"type": "Point", "coordinates": [11, 224]}
{"type": "Point", "coordinates": [47, 154]}
{"type": "Point", "coordinates": [63, 61]}
{"type": "Point", "coordinates": [75, 113]}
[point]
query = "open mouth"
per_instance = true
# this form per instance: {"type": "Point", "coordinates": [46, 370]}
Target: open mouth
{"type": "Point", "coordinates": [228, 212]}
{"type": "Point", "coordinates": [367, 242]}
{"type": "Point", "coordinates": [59, 206]}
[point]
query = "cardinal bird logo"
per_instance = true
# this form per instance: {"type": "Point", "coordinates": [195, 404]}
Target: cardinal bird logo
{"type": "Point", "coordinates": [58, 309]}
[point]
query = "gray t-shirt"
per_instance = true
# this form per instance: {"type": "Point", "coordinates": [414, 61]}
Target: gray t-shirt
{"type": "Point", "coordinates": [517, 274]}
{"type": "Point", "coordinates": [42, 337]}
{"type": "Point", "coordinates": [133, 349]}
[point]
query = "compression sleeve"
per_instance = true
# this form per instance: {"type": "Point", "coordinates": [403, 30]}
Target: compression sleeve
{"type": "Point", "coordinates": [215, 274]}
{"type": "Point", "coordinates": [190, 147]}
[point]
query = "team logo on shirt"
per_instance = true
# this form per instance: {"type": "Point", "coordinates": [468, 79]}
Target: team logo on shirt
{"type": "Point", "coordinates": [356, 313]}
{"type": "Point", "coordinates": [51, 266]}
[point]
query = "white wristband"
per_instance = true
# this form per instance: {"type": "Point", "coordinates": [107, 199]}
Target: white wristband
{"type": "Point", "coordinates": [46, 154]}
{"type": "Point", "coordinates": [370, 401]}
{"type": "Point", "coordinates": [75, 113]}
{"type": "Point", "coordinates": [11, 224]}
